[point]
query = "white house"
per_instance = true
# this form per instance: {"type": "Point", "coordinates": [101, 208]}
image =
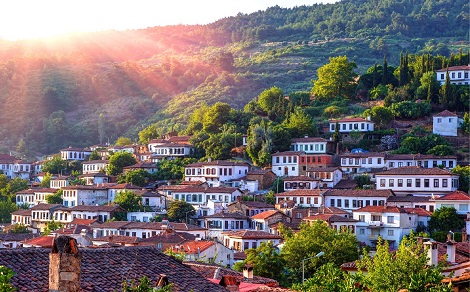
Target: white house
{"type": "Point", "coordinates": [457, 199]}
{"type": "Point", "coordinates": [362, 162]}
{"type": "Point", "coordinates": [225, 221]}
{"type": "Point", "coordinates": [215, 173]}
{"type": "Point", "coordinates": [245, 239]}
{"type": "Point", "coordinates": [423, 202]}
{"type": "Point", "coordinates": [201, 196]}
{"type": "Point", "coordinates": [337, 222]}
{"type": "Point", "coordinates": [311, 145]}
{"type": "Point", "coordinates": [328, 176]}
{"type": "Point", "coordinates": [202, 250]}
{"type": "Point", "coordinates": [266, 220]}
{"type": "Point", "coordinates": [304, 198]}
{"type": "Point", "coordinates": [301, 182]}
{"type": "Point", "coordinates": [421, 160]}
{"type": "Point", "coordinates": [72, 153]}
{"type": "Point", "coordinates": [417, 180]}
{"type": "Point", "coordinates": [21, 169]}
{"type": "Point", "coordinates": [95, 178]}
{"type": "Point", "coordinates": [41, 194]}
{"type": "Point", "coordinates": [59, 182]}
{"type": "Point", "coordinates": [445, 123]}
{"type": "Point", "coordinates": [94, 166]}
{"type": "Point", "coordinates": [43, 213]}
{"type": "Point", "coordinates": [348, 125]}
{"type": "Point", "coordinates": [153, 199]}
{"type": "Point", "coordinates": [114, 189]}
{"type": "Point", "coordinates": [25, 197]}
{"type": "Point", "coordinates": [350, 200]}
{"type": "Point", "coordinates": [390, 223]}
{"type": "Point", "coordinates": [84, 195]}
{"type": "Point", "coordinates": [145, 166]}
{"type": "Point", "coordinates": [100, 213]}
{"type": "Point", "coordinates": [177, 146]}
{"type": "Point", "coordinates": [458, 75]}
{"type": "Point", "coordinates": [21, 217]}
{"type": "Point", "coordinates": [286, 163]}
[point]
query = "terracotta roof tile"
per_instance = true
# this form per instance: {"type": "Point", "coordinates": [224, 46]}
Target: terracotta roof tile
{"type": "Point", "coordinates": [381, 209]}
{"type": "Point", "coordinates": [419, 211]}
{"type": "Point", "coordinates": [252, 234]}
{"type": "Point", "coordinates": [350, 120]}
{"type": "Point", "coordinates": [22, 212]}
{"type": "Point", "coordinates": [454, 68]}
{"type": "Point", "coordinates": [288, 153]}
{"type": "Point", "coordinates": [358, 193]}
{"type": "Point", "coordinates": [415, 170]}
{"type": "Point", "coordinates": [315, 192]}
{"type": "Point", "coordinates": [413, 199]}
{"type": "Point", "coordinates": [299, 178]}
{"type": "Point", "coordinates": [266, 214]}
{"type": "Point", "coordinates": [329, 218]}
{"type": "Point", "coordinates": [455, 196]}
{"type": "Point", "coordinates": [105, 269]}
{"type": "Point", "coordinates": [43, 241]}
{"type": "Point", "coordinates": [308, 139]}
{"type": "Point", "coordinates": [234, 215]}
{"type": "Point", "coordinates": [193, 247]}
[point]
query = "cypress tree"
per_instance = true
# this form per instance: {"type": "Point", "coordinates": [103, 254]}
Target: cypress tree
{"type": "Point", "coordinates": [385, 71]}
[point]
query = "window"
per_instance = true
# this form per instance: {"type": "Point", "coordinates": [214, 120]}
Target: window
{"type": "Point", "coordinates": [364, 161]}
{"type": "Point", "coordinates": [389, 219]}
{"type": "Point", "coordinates": [444, 183]}
{"type": "Point", "coordinates": [463, 207]}
{"type": "Point", "coordinates": [436, 183]}
{"type": "Point", "coordinates": [418, 182]}
{"type": "Point", "coordinates": [442, 76]}
{"type": "Point", "coordinates": [379, 160]}
{"type": "Point", "coordinates": [370, 160]}
{"type": "Point", "coordinates": [451, 164]}
{"type": "Point", "coordinates": [439, 120]}
{"type": "Point", "coordinates": [354, 203]}
{"type": "Point", "coordinates": [450, 120]}
{"type": "Point", "coordinates": [346, 203]}
{"type": "Point", "coordinates": [391, 182]}
{"type": "Point", "coordinates": [246, 245]}
{"type": "Point", "coordinates": [391, 164]}
{"type": "Point", "coordinates": [362, 231]}
{"type": "Point", "coordinates": [338, 201]}
{"type": "Point", "coordinates": [332, 202]}
{"type": "Point", "coordinates": [400, 182]}
{"type": "Point", "coordinates": [400, 164]}
{"type": "Point", "coordinates": [376, 218]}
{"type": "Point", "coordinates": [408, 183]}
{"type": "Point", "coordinates": [390, 233]}
{"type": "Point", "coordinates": [362, 218]}
{"type": "Point", "coordinates": [367, 202]}
{"type": "Point", "coordinates": [332, 127]}
{"type": "Point", "coordinates": [426, 183]}
{"type": "Point", "coordinates": [382, 182]}
{"type": "Point", "coordinates": [277, 159]}
{"type": "Point", "coordinates": [343, 161]}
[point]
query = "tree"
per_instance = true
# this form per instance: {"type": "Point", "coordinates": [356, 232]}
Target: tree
{"type": "Point", "coordinates": [123, 141]}
{"type": "Point", "coordinates": [362, 180]}
{"type": "Point", "coordinates": [149, 133]}
{"type": "Point", "coordinates": [54, 166]}
{"type": "Point", "coordinates": [5, 277]}
{"type": "Point", "coordinates": [441, 150]}
{"type": "Point", "coordinates": [46, 180]}
{"type": "Point", "coordinates": [6, 208]}
{"type": "Point", "coordinates": [128, 200]}
{"type": "Point", "coordinates": [52, 226]}
{"type": "Point", "coordinates": [335, 79]}
{"type": "Point", "coordinates": [94, 156]}
{"type": "Point", "coordinates": [269, 198]}
{"type": "Point", "coordinates": [445, 219]}
{"type": "Point", "coordinates": [300, 124]}
{"type": "Point", "coordinates": [172, 169]}
{"type": "Point", "coordinates": [268, 98]}
{"type": "Point", "coordinates": [135, 177]}
{"type": "Point", "coordinates": [266, 261]}
{"type": "Point", "coordinates": [380, 115]}
{"type": "Point", "coordinates": [215, 117]}
{"type": "Point", "coordinates": [119, 160]}
{"type": "Point", "coordinates": [464, 177]}
{"type": "Point", "coordinates": [179, 211]}
{"type": "Point", "coordinates": [55, 198]}
{"type": "Point", "coordinates": [329, 278]}
{"type": "Point", "coordinates": [19, 228]}
{"type": "Point", "coordinates": [391, 271]}
{"type": "Point", "coordinates": [338, 248]}
{"type": "Point", "coordinates": [259, 144]}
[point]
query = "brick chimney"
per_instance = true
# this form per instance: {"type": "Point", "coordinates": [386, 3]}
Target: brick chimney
{"type": "Point", "coordinates": [230, 283]}
{"type": "Point", "coordinates": [64, 265]}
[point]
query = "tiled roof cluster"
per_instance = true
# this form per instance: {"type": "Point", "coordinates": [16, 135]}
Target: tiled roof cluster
{"type": "Point", "coordinates": [415, 170]}
{"type": "Point", "coordinates": [358, 193]}
{"type": "Point", "coordinates": [455, 196]}
{"type": "Point", "coordinates": [105, 269]}
{"type": "Point", "coordinates": [17, 236]}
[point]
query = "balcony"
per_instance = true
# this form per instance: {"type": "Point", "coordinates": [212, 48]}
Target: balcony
{"type": "Point", "coordinates": [376, 224]}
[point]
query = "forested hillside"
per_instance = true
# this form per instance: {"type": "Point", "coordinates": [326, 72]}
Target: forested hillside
{"type": "Point", "coordinates": [91, 88]}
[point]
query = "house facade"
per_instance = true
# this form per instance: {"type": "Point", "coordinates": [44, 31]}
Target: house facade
{"type": "Point", "coordinates": [215, 173]}
{"type": "Point", "coordinates": [362, 162]}
{"type": "Point", "coordinates": [445, 123]}
{"type": "Point", "coordinates": [246, 239]}
{"type": "Point", "coordinates": [327, 177]}
{"type": "Point", "coordinates": [72, 153]}
{"type": "Point", "coordinates": [286, 163]}
{"type": "Point", "coordinates": [350, 200]}
{"type": "Point", "coordinates": [458, 75]}
{"type": "Point", "coordinates": [84, 195]}
{"type": "Point", "coordinates": [303, 198]}
{"type": "Point", "coordinates": [456, 199]}
{"type": "Point", "coordinates": [225, 221]}
{"type": "Point", "coordinates": [417, 181]}
{"type": "Point", "coordinates": [94, 166]}
{"type": "Point", "coordinates": [421, 160]}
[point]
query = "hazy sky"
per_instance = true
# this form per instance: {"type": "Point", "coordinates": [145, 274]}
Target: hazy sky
{"type": "Point", "coordinates": [37, 18]}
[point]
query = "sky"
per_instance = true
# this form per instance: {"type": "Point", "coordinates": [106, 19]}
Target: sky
{"type": "Point", "coordinates": [22, 19]}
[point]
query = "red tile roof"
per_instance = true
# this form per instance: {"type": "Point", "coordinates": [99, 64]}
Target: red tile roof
{"type": "Point", "coordinates": [252, 234]}
{"type": "Point", "coordinates": [304, 193]}
{"type": "Point", "coordinates": [455, 196]}
{"type": "Point", "coordinates": [309, 139]}
{"type": "Point", "coordinates": [419, 211]}
{"type": "Point", "coordinates": [218, 162]}
{"type": "Point", "coordinates": [415, 170]}
{"type": "Point", "coordinates": [43, 241]}
{"type": "Point", "coordinates": [285, 153]}
{"type": "Point", "coordinates": [454, 68]}
{"type": "Point", "coordinates": [120, 239]}
{"type": "Point", "coordinates": [21, 212]}
{"type": "Point", "coordinates": [233, 215]}
{"type": "Point", "coordinates": [322, 169]}
{"type": "Point", "coordinates": [350, 120]}
{"type": "Point", "coordinates": [266, 214]}
{"type": "Point", "coordinates": [381, 209]}
{"type": "Point", "coordinates": [359, 193]}
{"type": "Point", "coordinates": [79, 221]}
{"type": "Point", "coordinates": [193, 247]}
{"type": "Point", "coordinates": [299, 178]}
{"type": "Point", "coordinates": [364, 154]}
{"type": "Point", "coordinates": [331, 218]}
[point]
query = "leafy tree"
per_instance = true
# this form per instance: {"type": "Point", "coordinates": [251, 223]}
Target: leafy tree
{"type": "Point", "coordinates": [215, 117]}
{"type": "Point", "coordinates": [362, 180]}
{"type": "Point", "coordinates": [55, 198]}
{"type": "Point", "coordinates": [55, 166]}
{"type": "Point", "coordinates": [94, 156]}
{"type": "Point", "coordinates": [172, 169]}
{"type": "Point", "coordinates": [149, 133]}
{"type": "Point", "coordinates": [135, 177]}
{"type": "Point", "coordinates": [300, 124]}
{"type": "Point", "coordinates": [46, 180]}
{"type": "Point", "coordinates": [178, 211]}
{"type": "Point", "coordinates": [378, 92]}
{"type": "Point", "coordinates": [6, 208]}
{"type": "Point", "coordinates": [19, 228]}
{"type": "Point", "coordinates": [281, 138]}
{"type": "Point", "coordinates": [266, 261]}
{"type": "Point", "coordinates": [128, 200]}
{"type": "Point", "coordinates": [119, 160]}
{"type": "Point", "coordinates": [429, 87]}
{"type": "Point", "coordinates": [5, 278]}
{"type": "Point", "coordinates": [3, 180]}
{"type": "Point", "coordinates": [465, 126]}
{"type": "Point", "coordinates": [269, 198]}
{"type": "Point", "coordinates": [123, 141]}
{"type": "Point", "coordinates": [329, 278]}
{"type": "Point", "coordinates": [13, 186]}
{"type": "Point", "coordinates": [380, 115]}
{"type": "Point", "coordinates": [278, 185]}
{"type": "Point", "coordinates": [259, 144]}
{"type": "Point", "coordinates": [268, 98]}
{"type": "Point", "coordinates": [391, 271]}
{"type": "Point", "coordinates": [333, 111]}
{"type": "Point", "coordinates": [441, 150]}
{"type": "Point", "coordinates": [52, 226]}
{"type": "Point", "coordinates": [338, 248]}
{"type": "Point", "coordinates": [445, 219]}
{"type": "Point", "coordinates": [219, 145]}
{"type": "Point", "coordinates": [464, 176]}
{"type": "Point", "coordinates": [335, 79]}
{"type": "Point", "coordinates": [299, 98]}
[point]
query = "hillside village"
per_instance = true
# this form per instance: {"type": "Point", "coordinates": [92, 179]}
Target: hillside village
{"type": "Point", "coordinates": [232, 206]}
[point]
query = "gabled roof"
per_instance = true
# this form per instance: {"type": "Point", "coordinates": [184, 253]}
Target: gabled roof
{"type": "Point", "coordinates": [309, 139]}
{"type": "Point", "coordinates": [381, 209]}
{"type": "Point", "coordinates": [170, 237]}
{"type": "Point", "coordinates": [266, 214]}
{"type": "Point", "coordinates": [125, 186]}
{"type": "Point", "coordinates": [303, 193]}
{"type": "Point", "coordinates": [43, 241]}
{"type": "Point", "coordinates": [251, 234]}
{"type": "Point", "coordinates": [454, 68]}
{"type": "Point", "coordinates": [454, 196]}
{"type": "Point", "coordinates": [194, 246]}
{"type": "Point", "coordinates": [254, 204]}
{"type": "Point", "coordinates": [358, 193]}
{"type": "Point", "coordinates": [120, 239]}
{"type": "Point", "coordinates": [445, 113]}
{"type": "Point", "coordinates": [17, 236]}
{"type": "Point", "coordinates": [80, 221]}
{"type": "Point", "coordinates": [46, 206]}
{"type": "Point", "coordinates": [21, 212]}
{"type": "Point", "coordinates": [330, 218]}
{"type": "Point", "coordinates": [419, 211]}
{"type": "Point", "coordinates": [415, 170]}
{"type": "Point", "coordinates": [345, 120]}
{"type": "Point", "coordinates": [98, 274]}
{"type": "Point", "coordinates": [234, 215]}
{"type": "Point", "coordinates": [291, 153]}
{"type": "Point", "coordinates": [96, 162]}
{"type": "Point", "coordinates": [218, 163]}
